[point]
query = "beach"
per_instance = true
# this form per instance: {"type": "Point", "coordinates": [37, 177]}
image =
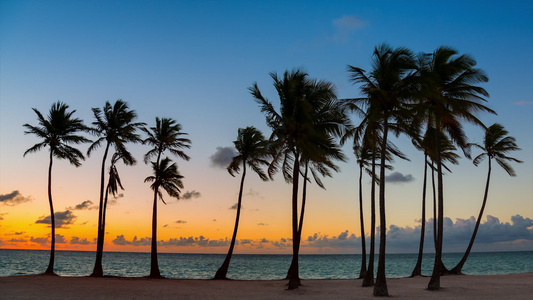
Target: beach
{"type": "Point", "coordinates": [513, 286]}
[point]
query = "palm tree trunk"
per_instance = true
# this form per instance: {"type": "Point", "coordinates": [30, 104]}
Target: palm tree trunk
{"type": "Point", "coordinates": [294, 280]}
{"type": "Point", "coordinates": [459, 266]}
{"type": "Point", "coordinates": [154, 266]}
{"type": "Point", "coordinates": [301, 222]}
{"type": "Point", "coordinates": [369, 277]}
{"type": "Point", "coordinates": [50, 269]}
{"type": "Point", "coordinates": [434, 283]}
{"type": "Point", "coordinates": [223, 270]}
{"type": "Point", "coordinates": [417, 271]}
{"type": "Point", "coordinates": [98, 271]}
{"type": "Point", "coordinates": [380, 288]}
{"type": "Point", "coordinates": [443, 269]}
{"type": "Point", "coordinates": [362, 272]}
{"type": "Point", "coordinates": [434, 204]}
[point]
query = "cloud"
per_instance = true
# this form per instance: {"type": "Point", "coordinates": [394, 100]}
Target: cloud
{"type": "Point", "coordinates": [262, 224]}
{"type": "Point", "coordinates": [87, 204]}
{"type": "Point", "coordinates": [397, 177]}
{"type": "Point", "coordinates": [121, 241]}
{"type": "Point", "coordinates": [60, 239]}
{"type": "Point", "coordinates": [77, 241]}
{"type": "Point", "coordinates": [43, 241]}
{"type": "Point", "coordinates": [181, 221]}
{"type": "Point", "coordinates": [345, 27]}
{"type": "Point", "coordinates": [18, 241]}
{"type": "Point", "coordinates": [492, 235]}
{"type": "Point", "coordinates": [235, 206]}
{"type": "Point", "coordinates": [62, 218]}
{"type": "Point", "coordinates": [523, 103]}
{"type": "Point", "coordinates": [343, 240]}
{"type": "Point", "coordinates": [13, 198]}
{"type": "Point", "coordinates": [222, 157]}
{"type": "Point", "coordinates": [190, 194]}
{"type": "Point", "coordinates": [253, 193]}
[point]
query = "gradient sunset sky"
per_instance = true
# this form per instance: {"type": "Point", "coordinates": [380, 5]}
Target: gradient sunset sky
{"type": "Point", "coordinates": [194, 61]}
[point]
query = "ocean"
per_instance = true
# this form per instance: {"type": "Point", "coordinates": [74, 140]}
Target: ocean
{"type": "Point", "coordinates": [251, 266]}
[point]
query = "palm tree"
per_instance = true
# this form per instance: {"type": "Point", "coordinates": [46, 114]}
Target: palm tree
{"type": "Point", "coordinates": [388, 89]}
{"type": "Point", "coordinates": [364, 158]}
{"type": "Point", "coordinates": [329, 120]}
{"type": "Point", "coordinates": [496, 145]}
{"type": "Point", "coordinates": [166, 135]}
{"type": "Point", "coordinates": [367, 138]}
{"type": "Point", "coordinates": [113, 183]}
{"type": "Point", "coordinates": [167, 177]}
{"type": "Point", "coordinates": [297, 136]}
{"type": "Point", "coordinates": [114, 126]}
{"type": "Point", "coordinates": [252, 150]}
{"type": "Point", "coordinates": [449, 95]}
{"type": "Point", "coordinates": [57, 131]}
{"type": "Point", "coordinates": [447, 153]}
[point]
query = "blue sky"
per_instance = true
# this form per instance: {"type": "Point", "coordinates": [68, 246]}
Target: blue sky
{"type": "Point", "coordinates": [194, 60]}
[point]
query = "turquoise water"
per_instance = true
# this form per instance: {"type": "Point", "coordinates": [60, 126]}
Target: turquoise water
{"type": "Point", "coordinates": [251, 267]}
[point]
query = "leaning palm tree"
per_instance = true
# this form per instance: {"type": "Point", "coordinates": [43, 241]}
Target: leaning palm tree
{"type": "Point", "coordinates": [57, 131]}
{"type": "Point", "coordinates": [167, 177]}
{"type": "Point", "coordinates": [388, 90]}
{"type": "Point", "coordinates": [114, 126]}
{"type": "Point", "coordinates": [496, 145]}
{"type": "Point", "coordinates": [448, 96]}
{"type": "Point", "coordinates": [166, 135]}
{"type": "Point", "coordinates": [252, 150]}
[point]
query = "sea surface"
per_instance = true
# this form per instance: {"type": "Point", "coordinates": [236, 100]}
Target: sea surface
{"type": "Point", "coordinates": [251, 267]}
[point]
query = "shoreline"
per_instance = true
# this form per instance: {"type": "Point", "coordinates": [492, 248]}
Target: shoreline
{"type": "Point", "coordinates": [511, 286]}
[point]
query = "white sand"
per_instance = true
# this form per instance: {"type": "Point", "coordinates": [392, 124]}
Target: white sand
{"type": "Point", "coordinates": [515, 286]}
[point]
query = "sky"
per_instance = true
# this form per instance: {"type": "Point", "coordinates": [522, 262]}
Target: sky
{"type": "Point", "coordinates": [194, 61]}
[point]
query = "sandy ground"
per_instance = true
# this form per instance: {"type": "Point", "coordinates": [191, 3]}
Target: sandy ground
{"type": "Point", "coordinates": [515, 286]}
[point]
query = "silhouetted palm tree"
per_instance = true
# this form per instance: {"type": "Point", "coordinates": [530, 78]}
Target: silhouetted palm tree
{"type": "Point", "coordinates": [388, 89]}
{"type": "Point", "coordinates": [364, 160]}
{"type": "Point", "coordinates": [252, 150]}
{"type": "Point", "coordinates": [166, 135]}
{"type": "Point", "coordinates": [329, 120]}
{"type": "Point", "coordinates": [447, 153]}
{"type": "Point", "coordinates": [449, 95]}
{"type": "Point", "coordinates": [114, 126]}
{"type": "Point", "coordinates": [57, 131]}
{"type": "Point", "coordinates": [496, 145]}
{"type": "Point", "coordinates": [296, 136]}
{"type": "Point", "coordinates": [367, 136]}
{"type": "Point", "coordinates": [167, 177]}
{"type": "Point", "coordinates": [113, 182]}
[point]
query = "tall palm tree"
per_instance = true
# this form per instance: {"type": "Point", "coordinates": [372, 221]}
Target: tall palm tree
{"type": "Point", "coordinates": [252, 150]}
{"type": "Point", "coordinates": [57, 131]}
{"type": "Point", "coordinates": [496, 145]}
{"type": "Point", "coordinates": [449, 95]}
{"type": "Point", "coordinates": [367, 137]}
{"type": "Point", "coordinates": [297, 136]}
{"type": "Point", "coordinates": [388, 89]}
{"type": "Point", "coordinates": [447, 153]}
{"type": "Point", "coordinates": [167, 177]}
{"type": "Point", "coordinates": [364, 158]}
{"type": "Point", "coordinates": [166, 135]}
{"type": "Point", "coordinates": [329, 120]}
{"type": "Point", "coordinates": [114, 126]}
